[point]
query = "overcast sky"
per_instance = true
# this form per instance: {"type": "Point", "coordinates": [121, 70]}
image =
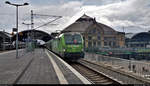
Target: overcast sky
{"type": "Point", "coordinates": [133, 15]}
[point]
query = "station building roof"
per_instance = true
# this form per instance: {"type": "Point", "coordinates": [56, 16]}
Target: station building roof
{"type": "Point", "coordinates": [81, 25]}
{"type": "Point", "coordinates": [142, 36]}
{"type": "Point", "coordinates": [37, 34]}
{"type": "Point", "coordinates": [7, 35]}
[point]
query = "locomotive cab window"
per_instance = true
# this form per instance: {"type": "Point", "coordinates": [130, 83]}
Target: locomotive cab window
{"type": "Point", "coordinates": [73, 39]}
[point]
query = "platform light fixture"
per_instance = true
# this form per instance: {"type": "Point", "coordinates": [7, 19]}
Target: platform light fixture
{"type": "Point", "coordinates": [17, 5]}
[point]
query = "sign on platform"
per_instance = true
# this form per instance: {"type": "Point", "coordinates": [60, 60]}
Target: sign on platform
{"type": "Point", "coordinates": [14, 29]}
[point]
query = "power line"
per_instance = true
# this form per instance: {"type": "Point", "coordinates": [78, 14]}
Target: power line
{"type": "Point", "coordinates": [46, 15]}
{"type": "Point", "coordinates": [47, 23]}
{"type": "Point", "coordinates": [44, 21]}
{"type": "Point", "coordinates": [43, 15]}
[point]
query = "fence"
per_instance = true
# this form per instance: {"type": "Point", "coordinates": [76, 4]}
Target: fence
{"type": "Point", "coordinates": [141, 68]}
{"type": "Point", "coordinates": [125, 53]}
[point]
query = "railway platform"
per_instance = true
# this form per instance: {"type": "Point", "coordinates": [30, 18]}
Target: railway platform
{"type": "Point", "coordinates": [38, 67]}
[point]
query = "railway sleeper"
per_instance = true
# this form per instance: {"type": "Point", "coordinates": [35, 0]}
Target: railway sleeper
{"type": "Point", "coordinates": [93, 75]}
{"type": "Point", "coordinates": [96, 77]}
{"type": "Point", "coordinates": [85, 63]}
{"type": "Point", "coordinates": [104, 82]}
{"type": "Point", "coordinates": [107, 83]}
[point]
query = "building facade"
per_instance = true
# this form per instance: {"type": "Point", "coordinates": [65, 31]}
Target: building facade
{"type": "Point", "coordinates": [96, 35]}
{"type": "Point", "coordinates": [5, 40]}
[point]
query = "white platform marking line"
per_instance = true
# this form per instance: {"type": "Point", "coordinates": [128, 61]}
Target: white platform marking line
{"type": "Point", "coordinates": [60, 75]}
{"type": "Point", "coordinates": [83, 79]}
{"type": "Point", "coordinates": [11, 51]}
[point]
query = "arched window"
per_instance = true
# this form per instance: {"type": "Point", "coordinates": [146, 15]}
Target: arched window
{"type": "Point", "coordinates": [105, 43]}
{"type": "Point", "coordinates": [89, 37]}
{"type": "Point", "coordinates": [94, 43]}
{"type": "Point", "coordinates": [89, 44]}
{"type": "Point", "coordinates": [98, 37]}
{"type": "Point", "coordinates": [114, 43]}
{"type": "Point", "coordinates": [94, 31]}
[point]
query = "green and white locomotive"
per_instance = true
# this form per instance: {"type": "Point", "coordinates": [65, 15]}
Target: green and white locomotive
{"type": "Point", "coordinates": [69, 46]}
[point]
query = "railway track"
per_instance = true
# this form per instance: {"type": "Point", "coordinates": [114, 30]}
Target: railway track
{"type": "Point", "coordinates": [92, 75]}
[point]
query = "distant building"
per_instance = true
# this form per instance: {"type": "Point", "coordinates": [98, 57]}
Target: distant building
{"type": "Point", "coordinates": [5, 39]}
{"type": "Point", "coordinates": [35, 34]}
{"type": "Point", "coordinates": [138, 40]}
{"type": "Point", "coordinates": [96, 35]}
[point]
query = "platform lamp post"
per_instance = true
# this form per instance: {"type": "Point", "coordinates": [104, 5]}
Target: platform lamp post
{"type": "Point", "coordinates": [17, 5]}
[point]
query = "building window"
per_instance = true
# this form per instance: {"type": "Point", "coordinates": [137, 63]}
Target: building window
{"type": "Point", "coordinates": [98, 32]}
{"type": "Point", "coordinates": [94, 44]}
{"type": "Point", "coordinates": [89, 37]}
{"type": "Point", "coordinates": [99, 43]}
{"type": "Point", "coordinates": [114, 44]}
{"type": "Point", "coordinates": [89, 44]}
{"type": "Point", "coordinates": [98, 37]}
{"type": "Point", "coordinates": [94, 31]}
{"type": "Point", "coordinates": [110, 43]}
{"type": "Point", "coordinates": [89, 32]}
{"type": "Point", "coordinates": [105, 38]}
{"type": "Point", "coordinates": [105, 43]}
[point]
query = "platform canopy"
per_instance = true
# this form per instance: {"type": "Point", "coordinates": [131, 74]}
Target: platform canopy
{"type": "Point", "coordinates": [32, 34]}
{"type": "Point", "coordinates": [5, 35]}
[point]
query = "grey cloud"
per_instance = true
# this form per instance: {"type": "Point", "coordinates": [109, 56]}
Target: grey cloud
{"type": "Point", "coordinates": [134, 15]}
{"type": "Point", "coordinates": [67, 10]}
{"type": "Point", "coordinates": [99, 2]}
{"type": "Point", "coordinates": [128, 13]}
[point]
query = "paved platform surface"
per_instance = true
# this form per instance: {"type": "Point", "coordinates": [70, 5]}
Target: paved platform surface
{"type": "Point", "coordinates": [10, 67]}
{"type": "Point", "coordinates": [43, 68]}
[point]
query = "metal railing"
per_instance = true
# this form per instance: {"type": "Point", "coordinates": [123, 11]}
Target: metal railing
{"type": "Point", "coordinates": [140, 68]}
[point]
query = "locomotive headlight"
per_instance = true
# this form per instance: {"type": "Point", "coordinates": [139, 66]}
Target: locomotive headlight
{"type": "Point", "coordinates": [64, 50]}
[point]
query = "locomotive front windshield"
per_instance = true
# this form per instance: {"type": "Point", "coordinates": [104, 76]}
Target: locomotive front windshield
{"type": "Point", "coordinates": [73, 39]}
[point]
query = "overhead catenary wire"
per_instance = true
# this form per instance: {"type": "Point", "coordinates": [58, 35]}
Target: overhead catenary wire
{"type": "Point", "coordinates": [47, 23]}
{"type": "Point", "coordinates": [46, 15]}
{"type": "Point", "coordinates": [42, 20]}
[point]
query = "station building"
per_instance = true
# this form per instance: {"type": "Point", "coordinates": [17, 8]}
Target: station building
{"type": "Point", "coordinates": [138, 40]}
{"type": "Point", "coordinates": [5, 40]}
{"type": "Point", "coordinates": [96, 35]}
{"type": "Point", "coordinates": [8, 41]}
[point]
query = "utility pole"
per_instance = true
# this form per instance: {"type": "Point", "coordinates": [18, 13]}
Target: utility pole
{"type": "Point", "coordinates": [3, 40]}
{"type": "Point", "coordinates": [32, 29]}
{"type": "Point", "coordinates": [123, 29]}
{"type": "Point", "coordinates": [32, 23]}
